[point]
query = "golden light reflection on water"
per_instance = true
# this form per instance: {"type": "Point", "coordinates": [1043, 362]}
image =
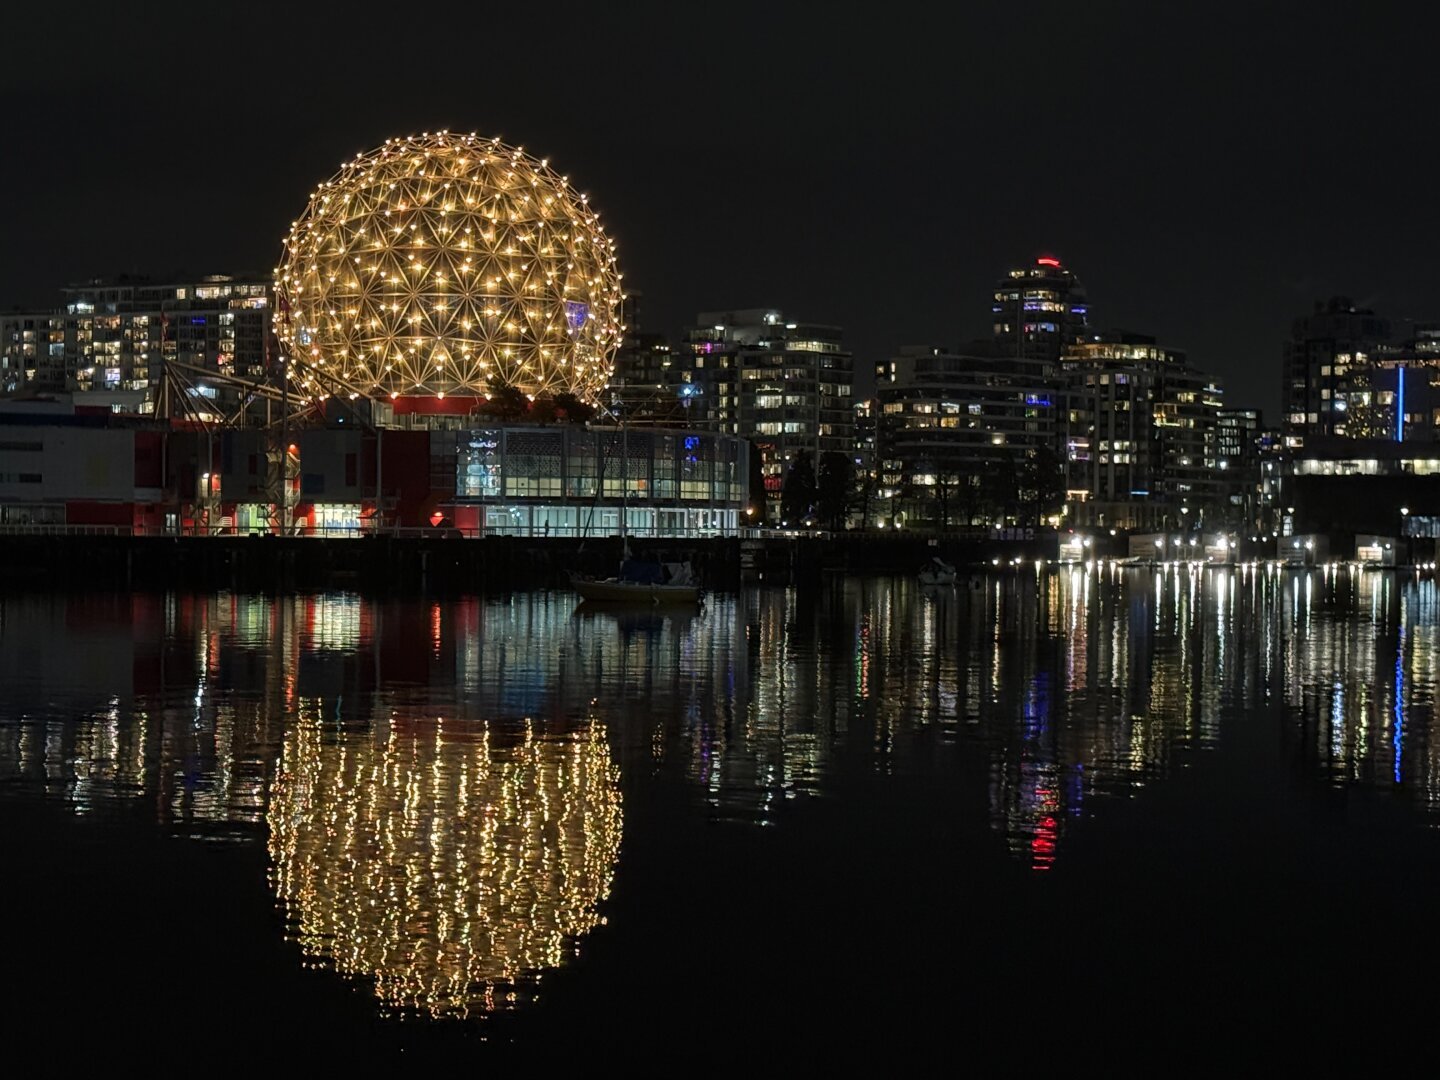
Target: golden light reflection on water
{"type": "Point", "coordinates": [1061, 691]}
{"type": "Point", "coordinates": [451, 863]}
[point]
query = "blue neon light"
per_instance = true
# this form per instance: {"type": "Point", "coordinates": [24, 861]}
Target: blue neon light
{"type": "Point", "coordinates": [1400, 406]}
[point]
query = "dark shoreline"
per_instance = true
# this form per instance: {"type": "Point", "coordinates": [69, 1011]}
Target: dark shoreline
{"type": "Point", "coordinates": [409, 564]}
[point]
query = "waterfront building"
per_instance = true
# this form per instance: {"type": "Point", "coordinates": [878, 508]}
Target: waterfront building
{"type": "Point", "coordinates": [1238, 457]}
{"type": "Point", "coordinates": [1379, 486]}
{"type": "Point", "coordinates": [115, 336]}
{"type": "Point", "coordinates": [66, 466]}
{"type": "Point", "coordinates": [1396, 393]}
{"type": "Point", "coordinates": [1361, 400]}
{"type": "Point", "coordinates": [964, 437]}
{"type": "Point", "coordinates": [1326, 351]}
{"type": "Point", "coordinates": [1140, 435]}
{"type": "Point", "coordinates": [1270, 445]}
{"type": "Point", "coordinates": [867, 475]}
{"type": "Point", "coordinates": [454, 377]}
{"type": "Point", "coordinates": [787, 386]}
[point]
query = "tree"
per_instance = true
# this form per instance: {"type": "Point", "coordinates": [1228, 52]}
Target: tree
{"type": "Point", "coordinates": [797, 501]}
{"type": "Point", "coordinates": [866, 492]}
{"type": "Point", "coordinates": [505, 403]}
{"type": "Point", "coordinates": [543, 410]}
{"type": "Point", "coordinates": [955, 495]}
{"type": "Point", "coordinates": [836, 489]}
{"type": "Point", "coordinates": [572, 409]}
{"type": "Point", "coordinates": [1042, 480]}
{"type": "Point", "coordinates": [999, 487]}
{"type": "Point", "coordinates": [756, 504]}
{"type": "Point", "coordinates": [968, 495]}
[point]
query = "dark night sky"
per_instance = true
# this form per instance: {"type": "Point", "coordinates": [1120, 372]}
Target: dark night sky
{"type": "Point", "coordinates": [1208, 176]}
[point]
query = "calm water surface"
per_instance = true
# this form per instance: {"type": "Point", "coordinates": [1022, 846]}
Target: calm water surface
{"type": "Point", "coordinates": [1126, 812]}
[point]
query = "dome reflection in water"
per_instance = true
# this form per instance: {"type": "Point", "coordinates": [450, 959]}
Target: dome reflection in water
{"type": "Point", "coordinates": [452, 863]}
{"type": "Point", "coordinates": [779, 750]}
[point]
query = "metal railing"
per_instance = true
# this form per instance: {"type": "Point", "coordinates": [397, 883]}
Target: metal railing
{"type": "Point", "coordinates": [341, 532]}
{"type": "Point", "coordinates": [55, 529]}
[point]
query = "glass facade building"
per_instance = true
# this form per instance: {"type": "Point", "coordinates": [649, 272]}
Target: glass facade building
{"type": "Point", "coordinates": [579, 481]}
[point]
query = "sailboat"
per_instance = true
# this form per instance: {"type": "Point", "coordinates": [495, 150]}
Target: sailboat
{"type": "Point", "coordinates": [642, 582]}
{"type": "Point", "coordinates": [638, 581]}
{"type": "Point", "coordinates": [937, 572]}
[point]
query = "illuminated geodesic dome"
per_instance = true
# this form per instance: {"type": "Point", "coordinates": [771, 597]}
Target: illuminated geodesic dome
{"type": "Point", "coordinates": [447, 263]}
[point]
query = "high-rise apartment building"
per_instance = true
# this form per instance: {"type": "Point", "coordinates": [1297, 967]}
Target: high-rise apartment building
{"type": "Point", "coordinates": [866, 464]}
{"type": "Point", "coordinates": [1140, 427]}
{"type": "Point", "coordinates": [115, 335]}
{"type": "Point", "coordinates": [1396, 394]}
{"type": "Point", "coordinates": [646, 384]}
{"type": "Point", "coordinates": [1039, 309]}
{"type": "Point", "coordinates": [1238, 435]}
{"type": "Point", "coordinates": [960, 434]}
{"type": "Point", "coordinates": [1327, 350]}
{"type": "Point", "coordinates": [787, 386]}
{"type": "Point", "coordinates": [646, 381]}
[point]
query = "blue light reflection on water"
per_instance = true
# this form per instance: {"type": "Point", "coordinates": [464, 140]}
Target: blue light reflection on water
{"type": "Point", "coordinates": [1068, 693]}
{"type": "Point", "coordinates": [1107, 677]}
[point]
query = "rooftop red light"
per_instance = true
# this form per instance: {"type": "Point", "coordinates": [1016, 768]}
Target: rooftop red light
{"type": "Point", "coordinates": [1046, 260]}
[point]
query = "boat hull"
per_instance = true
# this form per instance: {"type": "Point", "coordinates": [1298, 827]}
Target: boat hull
{"type": "Point", "coordinates": [629, 592]}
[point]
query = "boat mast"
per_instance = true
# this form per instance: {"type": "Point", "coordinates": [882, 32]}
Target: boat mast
{"type": "Point", "coordinates": [624, 483]}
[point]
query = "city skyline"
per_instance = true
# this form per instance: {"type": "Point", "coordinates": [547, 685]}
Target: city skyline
{"type": "Point", "coordinates": [718, 534]}
{"type": "Point", "coordinates": [1183, 208]}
